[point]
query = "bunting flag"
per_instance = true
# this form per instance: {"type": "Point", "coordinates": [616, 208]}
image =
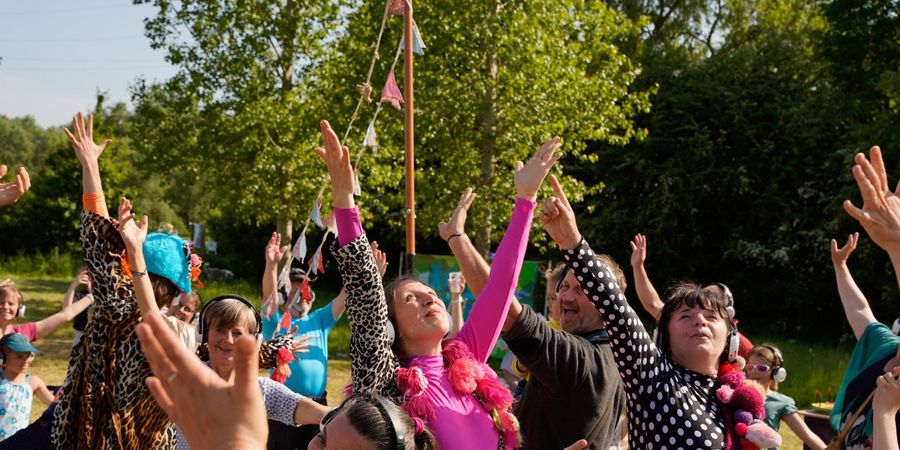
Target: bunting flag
{"type": "Point", "coordinates": [371, 139]}
{"type": "Point", "coordinates": [391, 93]}
{"type": "Point", "coordinates": [330, 225]}
{"type": "Point", "coordinates": [316, 215]}
{"type": "Point", "coordinates": [299, 251]}
{"type": "Point", "coordinates": [304, 291]}
{"type": "Point", "coordinates": [285, 322]}
{"type": "Point", "coordinates": [418, 44]}
{"type": "Point", "coordinates": [365, 90]}
{"type": "Point", "coordinates": [320, 267]}
{"type": "Point", "coordinates": [357, 191]}
{"type": "Point", "coordinates": [314, 261]}
{"type": "Point", "coordinates": [396, 8]}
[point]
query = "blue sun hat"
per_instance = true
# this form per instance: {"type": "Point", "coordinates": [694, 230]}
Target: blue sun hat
{"type": "Point", "coordinates": [169, 257]}
{"type": "Point", "coordinates": [17, 342]}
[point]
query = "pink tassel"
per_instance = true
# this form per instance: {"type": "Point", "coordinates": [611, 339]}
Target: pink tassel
{"type": "Point", "coordinates": [453, 350]}
{"type": "Point", "coordinates": [411, 380]}
{"type": "Point", "coordinates": [511, 437]}
{"type": "Point", "coordinates": [464, 374]}
{"type": "Point", "coordinates": [282, 370]}
{"type": "Point", "coordinates": [391, 93]}
{"type": "Point", "coordinates": [419, 406]}
{"type": "Point", "coordinates": [348, 391]}
{"type": "Point", "coordinates": [495, 394]}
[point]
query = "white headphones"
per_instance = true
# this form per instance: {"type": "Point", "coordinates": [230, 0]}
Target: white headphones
{"type": "Point", "coordinates": [895, 328]}
{"type": "Point", "coordinates": [779, 373]}
{"type": "Point", "coordinates": [734, 337]}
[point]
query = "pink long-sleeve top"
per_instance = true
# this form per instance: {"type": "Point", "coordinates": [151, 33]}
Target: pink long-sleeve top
{"type": "Point", "coordinates": [460, 422]}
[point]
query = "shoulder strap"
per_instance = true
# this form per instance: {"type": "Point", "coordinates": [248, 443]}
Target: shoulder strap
{"type": "Point", "coordinates": [603, 418]}
{"type": "Point", "coordinates": [846, 428]}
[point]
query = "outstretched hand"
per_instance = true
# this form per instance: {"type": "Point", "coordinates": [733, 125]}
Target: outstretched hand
{"type": "Point", "coordinates": [301, 344]}
{"type": "Point", "coordinates": [12, 191]}
{"type": "Point", "coordinates": [839, 256]}
{"type": "Point", "coordinates": [529, 176]}
{"type": "Point", "coordinates": [82, 140]}
{"type": "Point", "coordinates": [274, 250]}
{"type": "Point", "coordinates": [887, 392]}
{"type": "Point", "coordinates": [340, 170]}
{"type": "Point", "coordinates": [380, 259]}
{"type": "Point", "coordinates": [880, 214]}
{"type": "Point", "coordinates": [211, 412]}
{"type": "Point", "coordinates": [638, 250]}
{"type": "Point", "coordinates": [558, 218]}
{"type": "Point", "coordinates": [456, 224]}
{"type": "Point", "coordinates": [133, 234]}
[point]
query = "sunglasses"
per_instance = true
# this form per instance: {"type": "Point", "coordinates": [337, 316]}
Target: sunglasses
{"type": "Point", "coordinates": [759, 367]}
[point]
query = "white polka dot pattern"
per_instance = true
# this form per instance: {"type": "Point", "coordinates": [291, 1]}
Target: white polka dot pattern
{"type": "Point", "coordinates": [669, 407]}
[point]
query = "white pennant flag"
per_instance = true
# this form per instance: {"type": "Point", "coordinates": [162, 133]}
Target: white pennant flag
{"type": "Point", "coordinates": [371, 138]}
{"type": "Point", "coordinates": [316, 215]}
{"type": "Point", "coordinates": [300, 248]}
{"type": "Point", "coordinates": [418, 44]}
{"type": "Point", "coordinates": [314, 264]}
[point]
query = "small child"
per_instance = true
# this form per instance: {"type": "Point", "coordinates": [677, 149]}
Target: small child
{"type": "Point", "coordinates": [766, 365]}
{"type": "Point", "coordinates": [17, 386]}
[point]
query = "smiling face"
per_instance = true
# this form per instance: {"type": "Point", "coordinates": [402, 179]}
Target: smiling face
{"type": "Point", "coordinates": [187, 307]}
{"type": "Point", "coordinates": [15, 363]}
{"type": "Point", "coordinates": [226, 320]}
{"type": "Point", "coordinates": [9, 304]}
{"type": "Point", "coordinates": [576, 313]}
{"type": "Point", "coordinates": [418, 312]}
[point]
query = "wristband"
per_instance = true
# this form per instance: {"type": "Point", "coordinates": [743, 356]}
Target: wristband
{"type": "Point", "coordinates": [454, 236]}
{"type": "Point", "coordinates": [137, 273]}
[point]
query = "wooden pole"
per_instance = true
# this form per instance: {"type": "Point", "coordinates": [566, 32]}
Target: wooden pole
{"type": "Point", "coordinates": [409, 125]}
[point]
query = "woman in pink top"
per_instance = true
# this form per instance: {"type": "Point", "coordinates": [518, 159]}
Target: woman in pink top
{"type": "Point", "coordinates": [442, 383]}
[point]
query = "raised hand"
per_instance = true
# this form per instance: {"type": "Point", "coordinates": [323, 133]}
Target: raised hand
{"type": "Point", "coordinates": [839, 256]}
{"type": "Point", "coordinates": [456, 287]}
{"type": "Point", "coordinates": [529, 176]}
{"type": "Point", "coordinates": [638, 250]}
{"type": "Point", "coordinates": [133, 235]}
{"type": "Point", "coordinates": [456, 224]}
{"type": "Point", "coordinates": [558, 218]}
{"type": "Point", "coordinates": [12, 191]}
{"type": "Point", "coordinates": [880, 214]}
{"type": "Point", "coordinates": [82, 140]}
{"type": "Point", "coordinates": [211, 412]}
{"type": "Point", "coordinates": [274, 251]}
{"type": "Point", "coordinates": [887, 392]}
{"type": "Point", "coordinates": [380, 259]}
{"type": "Point", "coordinates": [300, 344]}
{"type": "Point", "coordinates": [340, 170]}
{"type": "Point", "coordinates": [84, 278]}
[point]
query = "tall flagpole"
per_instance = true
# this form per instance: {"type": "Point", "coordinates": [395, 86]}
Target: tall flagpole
{"type": "Point", "coordinates": [409, 139]}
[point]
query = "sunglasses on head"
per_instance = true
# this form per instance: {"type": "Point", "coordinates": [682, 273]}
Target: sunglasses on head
{"type": "Point", "coordinates": [759, 367]}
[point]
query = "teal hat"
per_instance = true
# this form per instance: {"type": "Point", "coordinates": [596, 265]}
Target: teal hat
{"type": "Point", "coordinates": [17, 342]}
{"type": "Point", "coordinates": [167, 256]}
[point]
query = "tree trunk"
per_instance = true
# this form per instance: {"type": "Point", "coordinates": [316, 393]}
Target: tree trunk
{"type": "Point", "coordinates": [488, 144]}
{"type": "Point", "coordinates": [286, 228]}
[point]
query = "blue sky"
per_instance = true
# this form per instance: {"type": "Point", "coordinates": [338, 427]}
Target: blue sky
{"type": "Point", "coordinates": [57, 54]}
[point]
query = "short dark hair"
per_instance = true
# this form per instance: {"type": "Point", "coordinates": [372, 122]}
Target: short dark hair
{"type": "Point", "coordinates": [691, 294]}
{"type": "Point", "coordinates": [164, 290]}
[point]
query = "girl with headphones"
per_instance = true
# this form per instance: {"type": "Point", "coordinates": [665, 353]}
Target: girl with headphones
{"type": "Point", "coordinates": [12, 307]}
{"type": "Point", "coordinates": [766, 365]}
{"type": "Point", "coordinates": [444, 383]}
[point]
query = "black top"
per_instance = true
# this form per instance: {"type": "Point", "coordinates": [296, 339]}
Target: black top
{"type": "Point", "coordinates": [573, 383]}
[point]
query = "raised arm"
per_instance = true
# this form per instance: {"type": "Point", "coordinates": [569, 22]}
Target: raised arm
{"type": "Point", "coordinates": [81, 279]}
{"type": "Point", "coordinates": [632, 347]}
{"type": "Point", "coordinates": [49, 324]}
{"type": "Point", "coordinates": [487, 315]}
{"type": "Point", "coordinates": [11, 192]}
{"type": "Point", "coordinates": [471, 264]}
{"type": "Point", "coordinates": [274, 254]}
{"type": "Point", "coordinates": [88, 153]}
{"type": "Point", "coordinates": [645, 291]}
{"type": "Point", "coordinates": [372, 363]}
{"type": "Point", "coordinates": [885, 405]}
{"type": "Point", "coordinates": [456, 283]}
{"type": "Point", "coordinates": [134, 237]}
{"type": "Point", "coordinates": [39, 389]}
{"type": "Point", "coordinates": [339, 304]}
{"type": "Point", "coordinates": [856, 307]}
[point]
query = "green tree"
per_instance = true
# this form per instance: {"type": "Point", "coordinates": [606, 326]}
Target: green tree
{"type": "Point", "coordinates": [496, 80]}
{"type": "Point", "coordinates": [237, 117]}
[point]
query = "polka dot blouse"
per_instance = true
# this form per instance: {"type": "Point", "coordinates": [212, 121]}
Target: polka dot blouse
{"type": "Point", "coordinates": [669, 406]}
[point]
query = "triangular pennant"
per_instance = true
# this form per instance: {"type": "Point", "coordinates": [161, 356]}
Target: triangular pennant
{"type": "Point", "coordinates": [320, 267]}
{"type": "Point", "coordinates": [299, 250]}
{"type": "Point", "coordinates": [304, 291]}
{"type": "Point", "coordinates": [396, 8]}
{"type": "Point", "coordinates": [357, 191]}
{"type": "Point", "coordinates": [316, 215]}
{"type": "Point", "coordinates": [418, 44]}
{"type": "Point", "coordinates": [371, 139]}
{"type": "Point", "coordinates": [391, 93]}
{"type": "Point", "coordinates": [314, 262]}
{"type": "Point", "coordinates": [285, 322]}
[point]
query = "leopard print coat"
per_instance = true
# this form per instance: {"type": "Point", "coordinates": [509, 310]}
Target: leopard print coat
{"type": "Point", "coordinates": [373, 363]}
{"type": "Point", "coordinates": [104, 403]}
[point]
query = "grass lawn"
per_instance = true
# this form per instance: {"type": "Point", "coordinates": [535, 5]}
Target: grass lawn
{"type": "Point", "coordinates": [810, 368]}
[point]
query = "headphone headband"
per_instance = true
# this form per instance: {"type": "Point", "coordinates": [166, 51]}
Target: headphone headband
{"type": "Point", "coordinates": [396, 424]}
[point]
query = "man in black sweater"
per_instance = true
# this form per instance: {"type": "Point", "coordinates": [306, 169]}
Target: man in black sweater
{"type": "Point", "coordinates": [574, 390]}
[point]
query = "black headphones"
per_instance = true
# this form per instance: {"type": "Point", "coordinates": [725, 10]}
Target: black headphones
{"type": "Point", "coordinates": [779, 373]}
{"type": "Point", "coordinates": [202, 329]}
{"type": "Point", "coordinates": [383, 406]}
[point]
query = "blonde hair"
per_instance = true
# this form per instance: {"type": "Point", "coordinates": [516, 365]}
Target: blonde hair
{"type": "Point", "coordinates": [11, 291]}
